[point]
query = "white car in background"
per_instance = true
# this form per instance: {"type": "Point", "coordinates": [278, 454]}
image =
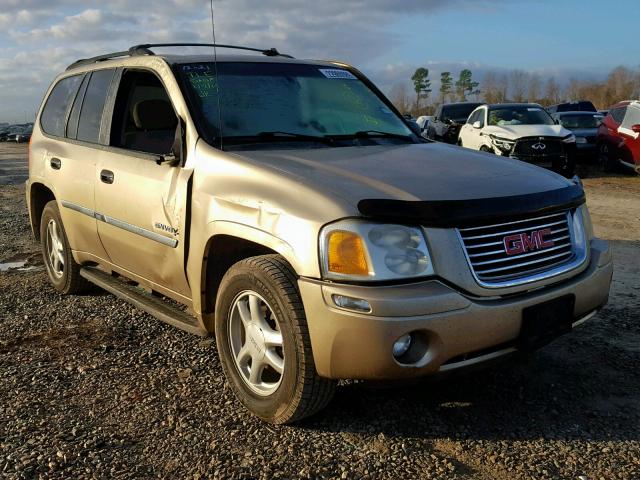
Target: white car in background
{"type": "Point", "coordinates": [524, 131]}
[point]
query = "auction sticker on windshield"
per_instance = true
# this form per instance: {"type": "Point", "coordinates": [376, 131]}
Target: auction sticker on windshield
{"type": "Point", "coordinates": [337, 73]}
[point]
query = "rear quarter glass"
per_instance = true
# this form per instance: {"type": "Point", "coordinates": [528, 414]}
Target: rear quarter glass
{"type": "Point", "coordinates": [54, 114]}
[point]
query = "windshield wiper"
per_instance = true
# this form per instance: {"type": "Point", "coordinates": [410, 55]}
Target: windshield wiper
{"type": "Point", "coordinates": [280, 135]}
{"type": "Point", "coordinates": [373, 134]}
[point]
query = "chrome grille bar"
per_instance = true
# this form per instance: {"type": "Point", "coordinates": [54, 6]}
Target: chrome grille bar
{"type": "Point", "coordinates": [518, 230]}
{"type": "Point", "coordinates": [493, 267]}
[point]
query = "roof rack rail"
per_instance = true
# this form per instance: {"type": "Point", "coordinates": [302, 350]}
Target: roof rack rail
{"type": "Point", "coordinates": [108, 56]}
{"type": "Point", "coordinates": [145, 49]}
{"type": "Point", "coordinates": [269, 52]}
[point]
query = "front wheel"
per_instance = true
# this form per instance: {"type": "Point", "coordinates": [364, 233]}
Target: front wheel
{"type": "Point", "coordinates": [263, 341]}
{"type": "Point", "coordinates": [486, 149]}
{"type": "Point", "coordinates": [565, 167]}
{"type": "Point", "coordinates": [604, 158]}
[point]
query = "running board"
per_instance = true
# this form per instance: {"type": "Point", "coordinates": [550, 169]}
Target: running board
{"type": "Point", "coordinates": [144, 301]}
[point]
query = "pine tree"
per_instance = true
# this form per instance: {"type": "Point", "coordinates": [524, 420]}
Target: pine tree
{"type": "Point", "coordinates": [446, 84]}
{"type": "Point", "coordinates": [421, 84]}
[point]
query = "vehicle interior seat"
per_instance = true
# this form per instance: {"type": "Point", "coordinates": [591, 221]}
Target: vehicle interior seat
{"type": "Point", "coordinates": [155, 125]}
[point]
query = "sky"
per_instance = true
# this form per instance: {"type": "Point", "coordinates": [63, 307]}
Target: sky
{"type": "Point", "coordinates": [386, 39]}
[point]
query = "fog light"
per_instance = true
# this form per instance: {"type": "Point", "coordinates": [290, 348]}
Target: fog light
{"type": "Point", "coordinates": [402, 345]}
{"type": "Point", "coordinates": [351, 303]}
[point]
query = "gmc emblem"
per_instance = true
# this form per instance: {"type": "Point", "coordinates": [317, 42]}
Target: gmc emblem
{"type": "Point", "coordinates": [522, 243]}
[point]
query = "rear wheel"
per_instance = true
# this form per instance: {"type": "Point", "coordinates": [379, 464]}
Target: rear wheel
{"type": "Point", "coordinates": [263, 342]}
{"type": "Point", "coordinates": [63, 271]}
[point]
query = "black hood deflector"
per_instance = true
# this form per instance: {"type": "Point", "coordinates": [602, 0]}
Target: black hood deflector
{"type": "Point", "coordinates": [468, 213]}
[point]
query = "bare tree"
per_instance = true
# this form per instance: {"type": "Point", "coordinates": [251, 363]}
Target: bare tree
{"type": "Point", "coordinates": [552, 92]}
{"type": "Point", "coordinates": [503, 86]}
{"type": "Point", "coordinates": [399, 96]}
{"type": "Point", "coordinates": [534, 88]}
{"type": "Point", "coordinates": [519, 81]}
{"type": "Point", "coordinates": [575, 90]}
{"type": "Point", "coordinates": [621, 84]}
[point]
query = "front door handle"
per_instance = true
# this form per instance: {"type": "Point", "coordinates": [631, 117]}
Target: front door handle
{"type": "Point", "coordinates": [106, 176]}
{"type": "Point", "coordinates": [55, 163]}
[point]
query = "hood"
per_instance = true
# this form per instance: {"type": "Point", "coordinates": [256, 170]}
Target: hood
{"type": "Point", "coordinates": [585, 132]}
{"type": "Point", "coordinates": [414, 173]}
{"type": "Point", "coordinates": [514, 132]}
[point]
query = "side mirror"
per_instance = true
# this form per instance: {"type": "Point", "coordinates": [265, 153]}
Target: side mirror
{"type": "Point", "coordinates": [414, 127]}
{"type": "Point", "coordinates": [176, 155]}
{"type": "Point", "coordinates": [476, 124]}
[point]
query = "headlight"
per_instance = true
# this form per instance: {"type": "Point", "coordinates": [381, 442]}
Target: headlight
{"type": "Point", "coordinates": [569, 139]}
{"type": "Point", "coordinates": [362, 251]}
{"type": "Point", "coordinates": [503, 144]}
{"type": "Point", "coordinates": [586, 222]}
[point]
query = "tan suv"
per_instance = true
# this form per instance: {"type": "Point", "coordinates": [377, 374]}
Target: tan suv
{"type": "Point", "coordinates": [295, 213]}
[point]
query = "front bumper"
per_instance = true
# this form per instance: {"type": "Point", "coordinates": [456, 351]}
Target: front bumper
{"type": "Point", "coordinates": [451, 326]}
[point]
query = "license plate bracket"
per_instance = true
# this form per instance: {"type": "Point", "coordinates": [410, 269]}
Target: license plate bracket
{"type": "Point", "coordinates": [546, 321]}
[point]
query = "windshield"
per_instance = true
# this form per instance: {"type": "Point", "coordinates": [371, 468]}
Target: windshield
{"type": "Point", "coordinates": [458, 113]}
{"type": "Point", "coordinates": [573, 122]}
{"type": "Point", "coordinates": [276, 102]}
{"type": "Point", "coordinates": [518, 115]}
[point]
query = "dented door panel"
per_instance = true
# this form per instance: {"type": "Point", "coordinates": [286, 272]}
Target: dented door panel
{"type": "Point", "coordinates": [141, 217]}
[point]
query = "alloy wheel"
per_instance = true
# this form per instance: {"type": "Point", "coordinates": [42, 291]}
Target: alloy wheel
{"type": "Point", "coordinates": [256, 343]}
{"type": "Point", "coordinates": [55, 249]}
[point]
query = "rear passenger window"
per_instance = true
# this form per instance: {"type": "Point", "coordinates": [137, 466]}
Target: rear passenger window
{"type": "Point", "coordinates": [93, 105]}
{"type": "Point", "coordinates": [54, 114]}
{"type": "Point", "coordinates": [74, 117]}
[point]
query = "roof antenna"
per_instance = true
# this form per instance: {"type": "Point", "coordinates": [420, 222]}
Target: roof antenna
{"type": "Point", "coordinates": [215, 67]}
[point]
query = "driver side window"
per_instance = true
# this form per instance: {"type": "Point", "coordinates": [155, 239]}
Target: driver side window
{"type": "Point", "coordinates": [143, 117]}
{"type": "Point", "coordinates": [481, 117]}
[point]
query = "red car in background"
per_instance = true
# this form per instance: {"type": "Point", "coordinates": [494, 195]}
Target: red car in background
{"type": "Point", "coordinates": [619, 137]}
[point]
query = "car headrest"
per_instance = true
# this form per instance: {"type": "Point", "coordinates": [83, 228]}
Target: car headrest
{"type": "Point", "coordinates": [154, 115]}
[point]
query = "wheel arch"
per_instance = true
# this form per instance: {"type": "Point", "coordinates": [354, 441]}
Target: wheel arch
{"type": "Point", "coordinates": [39, 196]}
{"type": "Point", "coordinates": [222, 251]}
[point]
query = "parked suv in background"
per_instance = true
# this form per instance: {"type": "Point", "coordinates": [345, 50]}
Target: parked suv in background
{"type": "Point", "coordinates": [579, 106]}
{"type": "Point", "coordinates": [584, 125]}
{"type": "Point", "coordinates": [447, 121]}
{"type": "Point", "coordinates": [524, 131]}
{"type": "Point", "coordinates": [619, 137]}
{"type": "Point", "coordinates": [24, 135]}
{"type": "Point", "coordinates": [288, 205]}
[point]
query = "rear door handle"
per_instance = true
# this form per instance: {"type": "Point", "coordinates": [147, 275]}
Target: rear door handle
{"type": "Point", "coordinates": [106, 176]}
{"type": "Point", "coordinates": [55, 163]}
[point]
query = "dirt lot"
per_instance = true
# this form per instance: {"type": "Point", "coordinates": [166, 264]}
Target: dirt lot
{"type": "Point", "coordinates": [93, 388]}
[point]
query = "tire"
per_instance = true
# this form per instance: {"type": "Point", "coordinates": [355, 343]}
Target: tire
{"type": "Point", "coordinates": [63, 271]}
{"type": "Point", "coordinates": [567, 169]}
{"type": "Point", "coordinates": [486, 149]}
{"type": "Point", "coordinates": [268, 282]}
{"type": "Point", "coordinates": [604, 158]}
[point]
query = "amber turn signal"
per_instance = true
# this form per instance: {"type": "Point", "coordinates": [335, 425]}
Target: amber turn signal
{"type": "Point", "coordinates": [347, 254]}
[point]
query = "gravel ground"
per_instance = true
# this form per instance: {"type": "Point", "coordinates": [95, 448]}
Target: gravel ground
{"type": "Point", "coordinates": [90, 387]}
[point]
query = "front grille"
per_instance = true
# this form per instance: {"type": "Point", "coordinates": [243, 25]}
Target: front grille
{"type": "Point", "coordinates": [486, 247]}
{"type": "Point", "coordinates": [539, 146]}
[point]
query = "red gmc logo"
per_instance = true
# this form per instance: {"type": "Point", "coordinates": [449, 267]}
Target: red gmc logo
{"type": "Point", "coordinates": [522, 243]}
